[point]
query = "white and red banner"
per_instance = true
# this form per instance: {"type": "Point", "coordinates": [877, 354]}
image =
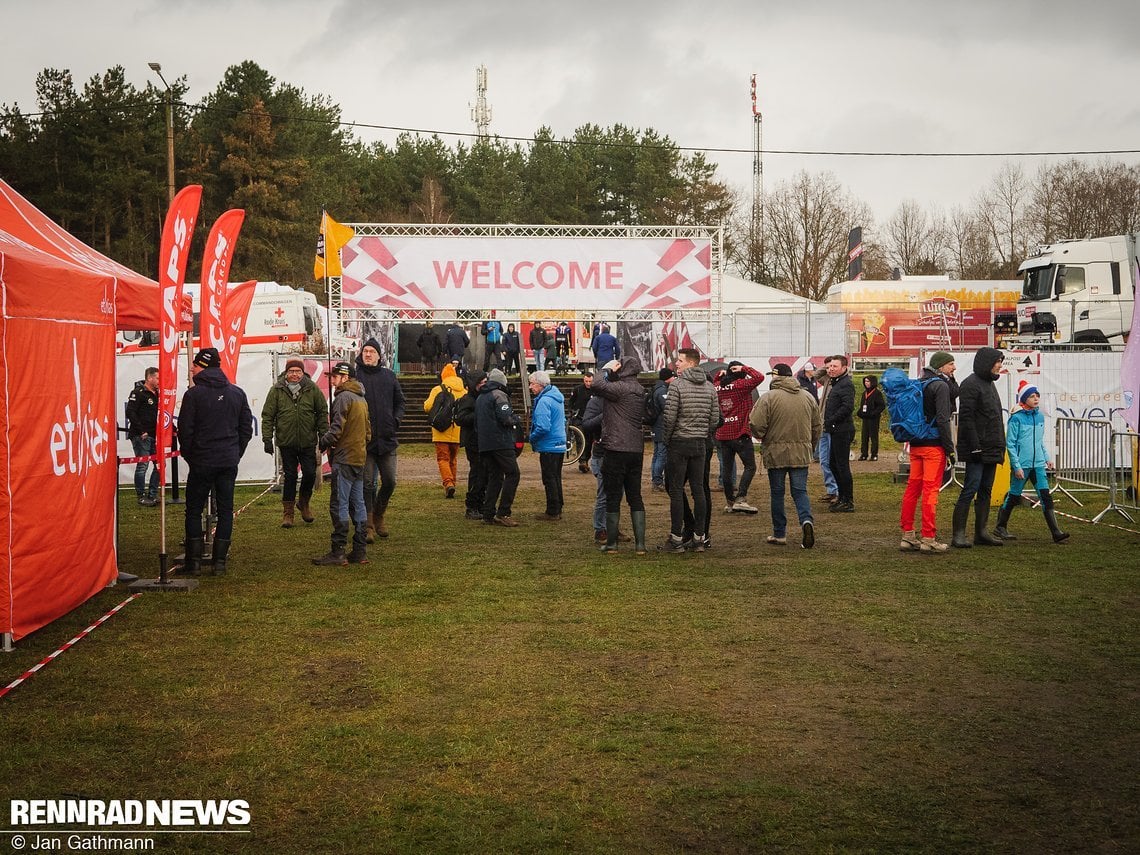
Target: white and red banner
{"type": "Point", "coordinates": [216, 260]}
{"type": "Point", "coordinates": [173, 253]}
{"type": "Point", "coordinates": [432, 272]}
{"type": "Point", "coordinates": [235, 310]}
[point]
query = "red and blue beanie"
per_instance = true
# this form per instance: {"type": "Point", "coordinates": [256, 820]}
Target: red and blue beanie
{"type": "Point", "coordinates": [1024, 390]}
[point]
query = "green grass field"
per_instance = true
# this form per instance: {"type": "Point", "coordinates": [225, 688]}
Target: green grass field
{"type": "Point", "coordinates": [477, 689]}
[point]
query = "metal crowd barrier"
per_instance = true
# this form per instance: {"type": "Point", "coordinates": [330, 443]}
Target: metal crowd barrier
{"type": "Point", "coordinates": [1083, 457]}
{"type": "Point", "coordinates": [1124, 472]}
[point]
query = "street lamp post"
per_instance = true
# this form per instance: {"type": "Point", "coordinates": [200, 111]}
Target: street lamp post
{"type": "Point", "coordinates": [157, 69]}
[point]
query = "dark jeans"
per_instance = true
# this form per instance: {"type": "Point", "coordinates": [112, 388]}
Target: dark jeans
{"type": "Point", "coordinates": [476, 480]}
{"type": "Point", "coordinates": [870, 437]}
{"type": "Point", "coordinates": [621, 473]}
{"type": "Point", "coordinates": [502, 482]}
{"type": "Point", "coordinates": [731, 449]}
{"type": "Point", "coordinates": [512, 358]}
{"type": "Point", "coordinates": [380, 468]}
{"type": "Point", "coordinates": [550, 464]}
{"type": "Point", "coordinates": [691, 525]}
{"type": "Point", "coordinates": [492, 350]}
{"type": "Point", "coordinates": [686, 463]}
{"type": "Point", "coordinates": [200, 481]}
{"type": "Point", "coordinates": [291, 458]}
{"type": "Point", "coordinates": [344, 487]}
{"type": "Point", "coordinates": [144, 447]}
{"type": "Point", "coordinates": [840, 462]}
{"type": "Point", "coordinates": [978, 484]}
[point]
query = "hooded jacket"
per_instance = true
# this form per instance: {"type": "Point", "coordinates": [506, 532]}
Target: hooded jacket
{"type": "Point", "coordinates": [1025, 441]}
{"type": "Point", "coordinates": [734, 395]}
{"type": "Point", "coordinates": [494, 418]}
{"type": "Point", "coordinates": [871, 401]}
{"type": "Point", "coordinates": [981, 428]}
{"type": "Point", "coordinates": [624, 406]}
{"type": "Point", "coordinates": [465, 412]}
{"type": "Point", "coordinates": [296, 420]}
{"type": "Point", "coordinates": [429, 343]}
{"type": "Point", "coordinates": [455, 386]}
{"type": "Point", "coordinates": [385, 402]}
{"type": "Point", "coordinates": [788, 424]}
{"type": "Point", "coordinates": [691, 407]}
{"type": "Point", "coordinates": [214, 423]}
{"type": "Point", "coordinates": [548, 421]}
{"type": "Point", "coordinates": [349, 429]}
{"type": "Point", "coordinates": [457, 341]}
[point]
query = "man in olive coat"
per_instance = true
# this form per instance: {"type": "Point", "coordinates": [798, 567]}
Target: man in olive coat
{"type": "Point", "coordinates": [296, 413]}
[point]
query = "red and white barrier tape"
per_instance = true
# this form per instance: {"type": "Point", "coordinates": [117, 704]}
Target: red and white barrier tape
{"type": "Point", "coordinates": [52, 656]}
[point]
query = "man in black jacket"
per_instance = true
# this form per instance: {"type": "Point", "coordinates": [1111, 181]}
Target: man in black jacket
{"type": "Point", "coordinates": [385, 411]}
{"type": "Point", "coordinates": [579, 398]}
{"type": "Point", "coordinates": [142, 418]}
{"type": "Point", "coordinates": [469, 439]}
{"type": "Point", "coordinates": [431, 348]}
{"type": "Point", "coordinates": [495, 423]}
{"type": "Point", "coordinates": [981, 446]}
{"type": "Point", "coordinates": [457, 341]}
{"type": "Point", "coordinates": [838, 425]}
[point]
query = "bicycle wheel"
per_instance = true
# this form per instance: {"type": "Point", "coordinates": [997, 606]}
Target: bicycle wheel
{"type": "Point", "coordinates": [575, 445]}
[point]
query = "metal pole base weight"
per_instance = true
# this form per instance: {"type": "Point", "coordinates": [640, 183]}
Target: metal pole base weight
{"type": "Point", "coordinates": [171, 586]}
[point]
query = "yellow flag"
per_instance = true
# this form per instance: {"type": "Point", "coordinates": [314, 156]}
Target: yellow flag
{"type": "Point", "coordinates": [332, 237]}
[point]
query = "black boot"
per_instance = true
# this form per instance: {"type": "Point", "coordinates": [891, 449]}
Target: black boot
{"type": "Point", "coordinates": [221, 550]}
{"type": "Point", "coordinates": [194, 549]}
{"type": "Point", "coordinates": [1007, 506]}
{"type": "Point", "coordinates": [1051, 517]}
{"type": "Point", "coordinates": [638, 532]}
{"type": "Point", "coordinates": [959, 540]}
{"type": "Point", "coordinates": [611, 544]}
{"type": "Point", "coordinates": [982, 536]}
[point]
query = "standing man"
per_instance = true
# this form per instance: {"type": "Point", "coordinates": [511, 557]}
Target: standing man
{"type": "Point", "coordinates": [142, 418]}
{"type": "Point", "coordinates": [495, 422]}
{"type": "Point", "coordinates": [929, 457]}
{"type": "Point", "coordinates": [493, 339]}
{"type": "Point", "coordinates": [548, 438]}
{"type": "Point", "coordinates": [823, 452]}
{"type": "Point", "coordinates": [660, 450]}
{"type": "Point", "coordinates": [579, 398]}
{"type": "Point", "coordinates": [839, 426]}
{"type": "Point", "coordinates": [788, 424]}
{"type": "Point", "coordinates": [469, 439]}
{"type": "Point", "coordinates": [431, 348]}
{"type": "Point", "coordinates": [214, 427]}
{"type": "Point", "coordinates": [347, 441]}
{"type": "Point", "coordinates": [691, 417]}
{"type": "Point", "coordinates": [624, 444]}
{"type": "Point", "coordinates": [562, 347]}
{"type": "Point", "coordinates": [734, 395]}
{"type": "Point", "coordinates": [537, 342]}
{"type": "Point", "coordinates": [456, 341]}
{"type": "Point", "coordinates": [297, 413]}
{"type": "Point", "coordinates": [981, 445]}
{"type": "Point", "coordinates": [385, 411]}
{"type": "Point", "coordinates": [605, 346]}
{"type": "Point", "coordinates": [513, 349]}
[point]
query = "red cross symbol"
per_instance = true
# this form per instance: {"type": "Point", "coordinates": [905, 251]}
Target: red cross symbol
{"type": "Point", "coordinates": [280, 312]}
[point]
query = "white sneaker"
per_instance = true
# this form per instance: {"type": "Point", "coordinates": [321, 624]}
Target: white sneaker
{"type": "Point", "coordinates": [911, 542]}
{"type": "Point", "coordinates": [728, 508]}
{"type": "Point", "coordinates": [741, 506]}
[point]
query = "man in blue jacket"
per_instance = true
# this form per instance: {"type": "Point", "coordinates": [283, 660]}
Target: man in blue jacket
{"type": "Point", "coordinates": [548, 438]}
{"type": "Point", "coordinates": [605, 347]}
{"type": "Point", "coordinates": [214, 427]}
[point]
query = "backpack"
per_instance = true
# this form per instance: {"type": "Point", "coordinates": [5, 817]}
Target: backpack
{"type": "Point", "coordinates": [651, 411]}
{"type": "Point", "coordinates": [442, 413]}
{"type": "Point", "coordinates": [905, 405]}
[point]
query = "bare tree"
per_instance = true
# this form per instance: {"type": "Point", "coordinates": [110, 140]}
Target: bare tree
{"type": "Point", "coordinates": [1003, 208]}
{"type": "Point", "coordinates": [916, 241]}
{"type": "Point", "coordinates": [969, 250]}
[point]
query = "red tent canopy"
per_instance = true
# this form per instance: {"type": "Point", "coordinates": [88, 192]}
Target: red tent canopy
{"type": "Point", "coordinates": [137, 304]}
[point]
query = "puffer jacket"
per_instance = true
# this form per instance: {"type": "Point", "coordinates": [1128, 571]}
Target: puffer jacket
{"type": "Point", "coordinates": [548, 422]}
{"type": "Point", "coordinates": [1025, 440]}
{"type": "Point", "coordinates": [457, 389]}
{"type": "Point", "coordinates": [296, 420]}
{"type": "Point", "coordinates": [624, 400]}
{"type": "Point", "coordinates": [839, 405]}
{"type": "Point", "coordinates": [691, 407]}
{"type": "Point", "coordinates": [494, 418]}
{"type": "Point", "coordinates": [349, 428]}
{"type": "Point", "coordinates": [788, 424]}
{"type": "Point", "coordinates": [981, 427]}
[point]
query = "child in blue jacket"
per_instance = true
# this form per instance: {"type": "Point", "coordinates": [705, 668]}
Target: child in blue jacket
{"type": "Point", "coordinates": [1028, 461]}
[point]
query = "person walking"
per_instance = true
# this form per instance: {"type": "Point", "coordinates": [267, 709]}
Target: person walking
{"type": "Point", "coordinates": [624, 443]}
{"type": "Point", "coordinates": [346, 440]}
{"type": "Point", "coordinates": [788, 424]}
{"type": "Point", "coordinates": [537, 342]}
{"type": "Point", "coordinates": [929, 458]}
{"type": "Point", "coordinates": [1029, 462]}
{"type": "Point", "coordinates": [981, 446]}
{"type": "Point", "coordinates": [548, 438]}
{"type": "Point", "coordinates": [385, 412]}
{"type": "Point", "coordinates": [871, 406]}
{"type": "Point", "coordinates": [214, 427]}
{"type": "Point", "coordinates": [692, 414]}
{"type": "Point", "coordinates": [142, 419]}
{"type": "Point", "coordinates": [495, 422]}
{"type": "Point", "coordinates": [469, 440]}
{"type": "Point", "coordinates": [665, 378]}
{"type": "Point", "coordinates": [605, 346]}
{"type": "Point", "coordinates": [456, 341]}
{"type": "Point", "coordinates": [295, 413]}
{"type": "Point", "coordinates": [840, 428]}
{"type": "Point", "coordinates": [512, 351]}
{"type": "Point", "coordinates": [734, 395]}
{"type": "Point", "coordinates": [446, 441]}
{"type": "Point", "coordinates": [431, 348]}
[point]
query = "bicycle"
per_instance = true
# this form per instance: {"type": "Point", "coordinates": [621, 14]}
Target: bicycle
{"type": "Point", "coordinates": [575, 445]}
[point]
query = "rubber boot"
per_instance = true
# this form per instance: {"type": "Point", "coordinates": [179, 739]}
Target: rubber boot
{"type": "Point", "coordinates": [369, 503]}
{"type": "Point", "coordinates": [982, 536]}
{"type": "Point", "coordinates": [303, 507]}
{"type": "Point", "coordinates": [287, 514]}
{"type": "Point", "coordinates": [639, 532]}
{"type": "Point", "coordinates": [1051, 517]}
{"type": "Point", "coordinates": [194, 548]}
{"type": "Point", "coordinates": [959, 540]}
{"type": "Point", "coordinates": [221, 550]}
{"type": "Point", "coordinates": [611, 544]}
{"type": "Point", "coordinates": [1007, 506]}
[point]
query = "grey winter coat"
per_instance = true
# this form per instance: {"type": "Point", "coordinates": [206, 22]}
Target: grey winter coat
{"type": "Point", "coordinates": [691, 407]}
{"type": "Point", "coordinates": [624, 407]}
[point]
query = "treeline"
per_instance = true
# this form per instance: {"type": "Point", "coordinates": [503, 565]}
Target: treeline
{"type": "Point", "coordinates": [94, 159]}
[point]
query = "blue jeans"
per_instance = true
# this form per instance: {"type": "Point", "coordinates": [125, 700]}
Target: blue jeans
{"type": "Point", "coordinates": [824, 450]}
{"type": "Point", "coordinates": [540, 359]}
{"type": "Point", "coordinates": [144, 447]}
{"type": "Point", "coordinates": [657, 465]}
{"type": "Point", "coordinates": [979, 482]}
{"type": "Point", "coordinates": [199, 482]}
{"type": "Point", "coordinates": [600, 500]}
{"type": "Point", "coordinates": [798, 476]}
{"type": "Point", "coordinates": [350, 494]}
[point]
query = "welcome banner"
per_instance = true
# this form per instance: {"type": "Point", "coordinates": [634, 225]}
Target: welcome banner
{"type": "Point", "coordinates": [543, 273]}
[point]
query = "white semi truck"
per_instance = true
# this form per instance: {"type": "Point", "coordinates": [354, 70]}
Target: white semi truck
{"type": "Point", "coordinates": [1078, 293]}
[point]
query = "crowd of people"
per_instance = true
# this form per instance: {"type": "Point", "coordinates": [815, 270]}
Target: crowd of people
{"type": "Point", "coordinates": [692, 412]}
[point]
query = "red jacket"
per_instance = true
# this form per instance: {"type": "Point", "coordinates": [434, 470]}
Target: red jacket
{"type": "Point", "coordinates": [735, 401]}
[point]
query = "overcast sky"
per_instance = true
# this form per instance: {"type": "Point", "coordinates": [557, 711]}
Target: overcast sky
{"type": "Point", "coordinates": [880, 76]}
